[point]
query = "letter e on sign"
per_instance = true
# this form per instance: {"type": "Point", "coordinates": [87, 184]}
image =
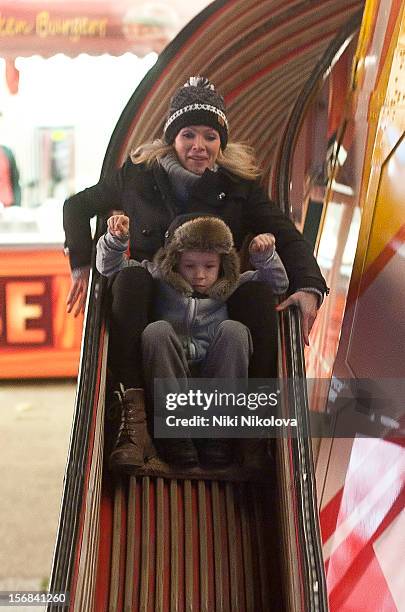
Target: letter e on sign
{"type": "Point", "coordinates": [27, 319]}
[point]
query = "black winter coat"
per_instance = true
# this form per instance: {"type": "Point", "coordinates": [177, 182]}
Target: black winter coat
{"type": "Point", "coordinates": [146, 196]}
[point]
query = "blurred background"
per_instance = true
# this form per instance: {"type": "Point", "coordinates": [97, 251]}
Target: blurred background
{"type": "Point", "coordinates": [66, 73]}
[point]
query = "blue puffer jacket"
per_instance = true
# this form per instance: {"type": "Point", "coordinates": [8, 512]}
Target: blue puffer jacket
{"type": "Point", "coordinates": [194, 317]}
{"type": "Point", "coordinates": [146, 196]}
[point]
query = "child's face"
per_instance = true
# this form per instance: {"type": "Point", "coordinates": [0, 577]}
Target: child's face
{"type": "Point", "coordinates": [200, 269]}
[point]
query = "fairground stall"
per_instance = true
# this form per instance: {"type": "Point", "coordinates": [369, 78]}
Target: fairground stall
{"type": "Point", "coordinates": [67, 71]}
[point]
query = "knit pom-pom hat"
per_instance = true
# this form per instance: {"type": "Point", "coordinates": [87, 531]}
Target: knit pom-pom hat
{"type": "Point", "coordinates": [199, 233]}
{"type": "Point", "coordinates": [196, 103]}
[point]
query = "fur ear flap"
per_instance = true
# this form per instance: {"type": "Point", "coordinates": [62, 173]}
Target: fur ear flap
{"type": "Point", "coordinates": [228, 282]}
{"type": "Point", "coordinates": [166, 260]}
{"type": "Point", "coordinates": [200, 234]}
{"type": "Point", "coordinates": [221, 290]}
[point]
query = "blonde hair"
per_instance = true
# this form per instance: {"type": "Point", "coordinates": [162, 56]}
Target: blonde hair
{"type": "Point", "coordinates": [238, 158]}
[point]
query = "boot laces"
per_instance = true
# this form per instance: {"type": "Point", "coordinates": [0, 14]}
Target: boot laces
{"type": "Point", "coordinates": [127, 429]}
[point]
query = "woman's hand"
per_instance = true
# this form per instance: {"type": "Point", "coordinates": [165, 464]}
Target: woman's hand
{"type": "Point", "coordinates": [118, 225]}
{"type": "Point", "coordinates": [308, 304]}
{"type": "Point", "coordinates": [262, 243]}
{"type": "Point", "coordinates": [78, 290]}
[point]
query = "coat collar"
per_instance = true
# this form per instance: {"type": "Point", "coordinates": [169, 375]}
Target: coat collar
{"type": "Point", "coordinates": [162, 182]}
{"type": "Point", "coordinates": [211, 184]}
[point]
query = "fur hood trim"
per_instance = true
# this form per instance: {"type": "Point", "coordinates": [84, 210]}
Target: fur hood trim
{"type": "Point", "coordinates": [200, 234]}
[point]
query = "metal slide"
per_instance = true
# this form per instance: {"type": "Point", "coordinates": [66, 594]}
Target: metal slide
{"type": "Point", "coordinates": [154, 543]}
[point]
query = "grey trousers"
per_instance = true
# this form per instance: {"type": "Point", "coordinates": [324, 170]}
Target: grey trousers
{"type": "Point", "coordinates": [163, 355]}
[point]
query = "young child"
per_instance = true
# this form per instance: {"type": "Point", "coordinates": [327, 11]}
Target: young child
{"type": "Point", "coordinates": [196, 272]}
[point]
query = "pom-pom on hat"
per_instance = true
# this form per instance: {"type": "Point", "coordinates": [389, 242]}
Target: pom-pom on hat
{"type": "Point", "coordinates": [196, 103]}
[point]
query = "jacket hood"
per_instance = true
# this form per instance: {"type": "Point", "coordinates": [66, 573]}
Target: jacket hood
{"type": "Point", "coordinates": [199, 233]}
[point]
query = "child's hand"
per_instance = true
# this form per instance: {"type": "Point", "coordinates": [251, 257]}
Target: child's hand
{"type": "Point", "coordinates": [262, 243]}
{"type": "Point", "coordinates": [118, 225]}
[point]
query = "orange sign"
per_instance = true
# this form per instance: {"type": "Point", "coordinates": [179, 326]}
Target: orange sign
{"type": "Point", "coordinates": [37, 338]}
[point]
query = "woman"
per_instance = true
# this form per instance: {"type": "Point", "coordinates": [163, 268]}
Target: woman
{"type": "Point", "coordinates": [165, 178]}
{"type": "Point", "coordinates": [191, 169]}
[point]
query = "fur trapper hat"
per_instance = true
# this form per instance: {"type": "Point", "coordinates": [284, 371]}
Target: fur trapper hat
{"type": "Point", "coordinates": [195, 232]}
{"type": "Point", "coordinates": [196, 103]}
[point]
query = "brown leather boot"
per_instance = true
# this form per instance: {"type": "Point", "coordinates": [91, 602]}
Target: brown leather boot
{"type": "Point", "coordinates": [133, 442]}
{"type": "Point", "coordinates": [215, 452]}
{"type": "Point", "coordinates": [178, 451]}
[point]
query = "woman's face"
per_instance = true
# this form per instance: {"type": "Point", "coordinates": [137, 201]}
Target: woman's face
{"type": "Point", "coordinates": [197, 147]}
